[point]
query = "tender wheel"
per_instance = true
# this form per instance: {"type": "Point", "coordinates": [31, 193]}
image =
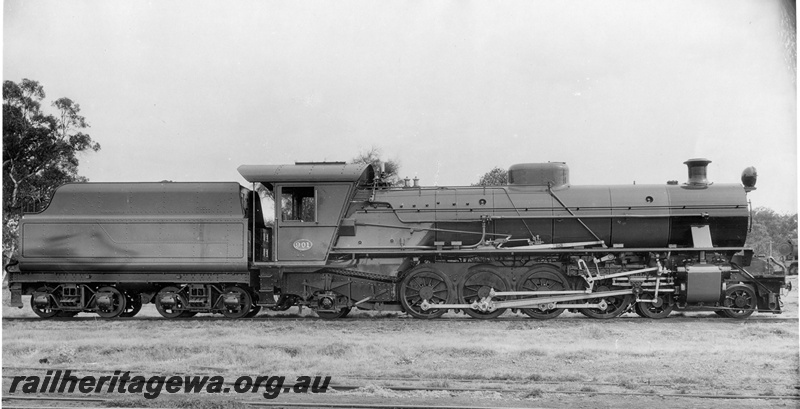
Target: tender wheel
{"type": "Point", "coordinates": [543, 278]}
{"type": "Point", "coordinates": [424, 283]}
{"type": "Point", "coordinates": [236, 302]}
{"type": "Point", "coordinates": [615, 305]}
{"type": "Point", "coordinates": [43, 305]}
{"type": "Point", "coordinates": [170, 303]}
{"type": "Point", "coordinates": [110, 302]}
{"type": "Point", "coordinates": [253, 312]}
{"type": "Point", "coordinates": [742, 299]}
{"type": "Point", "coordinates": [67, 314]}
{"type": "Point", "coordinates": [132, 306]}
{"type": "Point", "coordinates": [477, 285]}
{"type": "Point", "coordinates": [659, 309]}
{"type": "Point", "coordinates": [333, 315]}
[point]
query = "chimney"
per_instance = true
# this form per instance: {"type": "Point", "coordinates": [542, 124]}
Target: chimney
{"type": "Point", "coordinates": [697, 172]}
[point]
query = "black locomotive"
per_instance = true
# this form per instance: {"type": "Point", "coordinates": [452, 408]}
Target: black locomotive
{"type": "Point", "coordinates": [334, 236]}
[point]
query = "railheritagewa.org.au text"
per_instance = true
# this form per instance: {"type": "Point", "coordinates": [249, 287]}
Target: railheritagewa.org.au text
{"type": "Point", "coordinates": [58, 381]}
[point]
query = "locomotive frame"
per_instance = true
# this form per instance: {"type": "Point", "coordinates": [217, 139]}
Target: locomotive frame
{"type": "Point", "coordinates": [341, 237]}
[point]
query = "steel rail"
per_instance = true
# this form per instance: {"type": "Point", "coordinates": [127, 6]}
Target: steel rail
{"type": "Point", "coordinates": [351, 319]}
{"type": "Point", "coordinates": [310, 405]}
{"type": "Point", "coordinates": [372, 405]}
{"type": "Point", "coordinates": [414, 406]}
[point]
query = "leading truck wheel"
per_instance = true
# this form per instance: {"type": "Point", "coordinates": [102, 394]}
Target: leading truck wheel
{"type": "Point", "coordinates": [741, 299]}
{"type": "Point", "coordinates": [655, 310]}
{"type": "Point", "coordinates": [424, 284]}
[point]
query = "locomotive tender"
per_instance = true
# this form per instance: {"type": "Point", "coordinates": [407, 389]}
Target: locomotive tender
{"type": "Point", "coordinates": [333, 236]}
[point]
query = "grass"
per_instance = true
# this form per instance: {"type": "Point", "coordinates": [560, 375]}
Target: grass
{"type": "Point", "coordinates": [694, 353]}
{"type": "Point", "coordinates": [721, 355]}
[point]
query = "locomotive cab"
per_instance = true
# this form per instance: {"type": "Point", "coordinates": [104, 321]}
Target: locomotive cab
{"type": "Point", "coordinates": [305, 216]}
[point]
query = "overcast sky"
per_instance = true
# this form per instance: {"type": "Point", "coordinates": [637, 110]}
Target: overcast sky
{"type": "Point", "coordinates": [622, 91]}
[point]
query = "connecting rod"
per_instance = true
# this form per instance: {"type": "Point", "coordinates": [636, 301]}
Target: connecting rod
{"type": "Point", "coordinates": [487, 305]}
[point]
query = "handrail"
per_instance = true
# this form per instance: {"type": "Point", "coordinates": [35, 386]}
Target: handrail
{"type": "Point", "coordinates": [550, 190]}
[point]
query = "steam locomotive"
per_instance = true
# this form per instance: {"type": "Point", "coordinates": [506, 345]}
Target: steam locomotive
{"type": "Point", "coordinates": [332, 237]}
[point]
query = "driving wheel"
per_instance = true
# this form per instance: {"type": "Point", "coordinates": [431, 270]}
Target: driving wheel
{"type": "Point", "coordinates": [477, 285]}
{"type": "Point", "coordinates": [424, 284]}
{"type": "Point", "coordinates": [543, 278]}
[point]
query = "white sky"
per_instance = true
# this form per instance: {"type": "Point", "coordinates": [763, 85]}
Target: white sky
{"type": "Point", "coordinates": [620, 90]}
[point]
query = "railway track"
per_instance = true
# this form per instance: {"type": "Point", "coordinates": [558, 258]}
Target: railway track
{"type": "Point", "coordinates": [7, 399]}
{"type": "Point", "coordinates": [395, 318]}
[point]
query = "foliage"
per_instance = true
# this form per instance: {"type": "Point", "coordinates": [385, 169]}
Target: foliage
{"type": "Point", "coordinates": [772, 228]}
{"type": "Point", "coordinates": [372, 157]}
{"type": "Point", "coordinates": [495, 177]}
{"type": "Point", "coordinates": [40, 151]}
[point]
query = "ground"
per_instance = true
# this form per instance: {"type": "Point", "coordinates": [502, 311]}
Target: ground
{"type": "Point", "coordinates": [515, 361]}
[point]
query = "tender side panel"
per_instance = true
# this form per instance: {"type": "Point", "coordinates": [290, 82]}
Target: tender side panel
{"type": "Point", "coordinates": [141, 245]}
{"type": "Point", "coordinates": [138, 227]}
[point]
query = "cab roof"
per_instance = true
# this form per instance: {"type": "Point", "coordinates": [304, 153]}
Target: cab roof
{"type": "Point", "coordinates": [307, 172]}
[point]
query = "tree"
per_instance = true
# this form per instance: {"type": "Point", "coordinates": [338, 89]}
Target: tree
{"type": "Point", "coordinates": [771, 229]}
{"type": "Point", "coordinates": [40, 151]}
{"type": "Point", "coordinates": [373, 157]}
{"type": "Point", "coordinates": [495, 177]}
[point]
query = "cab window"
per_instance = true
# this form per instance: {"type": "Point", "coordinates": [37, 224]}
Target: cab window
{"type": "Point", "coordinates": [298, 203]}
